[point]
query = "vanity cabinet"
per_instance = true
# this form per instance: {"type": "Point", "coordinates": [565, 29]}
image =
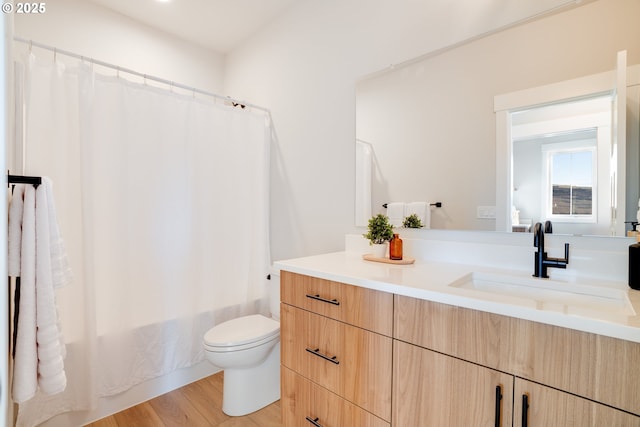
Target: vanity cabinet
{"type": "Point", "coordinates": [352, 356]}
{"type": "Point", "coordinates": [336, 353]}
{"type": "Point", "coordinates": [569, 378]}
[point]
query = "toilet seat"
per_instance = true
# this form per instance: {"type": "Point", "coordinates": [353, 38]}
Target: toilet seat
{"type": "Point", "coordinates": [241, 333]}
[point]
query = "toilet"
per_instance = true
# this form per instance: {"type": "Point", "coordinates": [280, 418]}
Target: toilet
{"type": "Point", "coordinates": [248, 350]}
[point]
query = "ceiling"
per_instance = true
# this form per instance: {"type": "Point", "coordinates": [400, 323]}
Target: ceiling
{"type": "Point", "coordinates": [219, 25]}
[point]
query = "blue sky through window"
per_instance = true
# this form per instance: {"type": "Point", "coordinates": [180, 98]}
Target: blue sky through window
{"type": "Point", "coordinates": [573, 168]}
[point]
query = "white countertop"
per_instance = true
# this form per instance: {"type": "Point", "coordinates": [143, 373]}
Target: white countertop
{"type": "Point", "coordinates": [430, 281]}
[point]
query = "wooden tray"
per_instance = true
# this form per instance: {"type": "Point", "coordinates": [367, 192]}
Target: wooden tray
{"type": "Point", "coordinates": [403, 261]}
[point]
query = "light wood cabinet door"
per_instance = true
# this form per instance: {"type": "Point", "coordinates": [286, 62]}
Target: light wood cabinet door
{"type": "Point", "coordinates": [433, 389]}
{"type": "Point", "coordinates": [349, 361]}
{"type": "Point", "coordinates": [549, 407]}
{"type": "Point", "coordinates": [304, 403]}
{"type": "Point", "coordinates": [362, 307]}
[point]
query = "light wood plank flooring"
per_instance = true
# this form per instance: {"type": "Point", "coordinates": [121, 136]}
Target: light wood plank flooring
{"type": "Point", "coordinates": [198, 404]}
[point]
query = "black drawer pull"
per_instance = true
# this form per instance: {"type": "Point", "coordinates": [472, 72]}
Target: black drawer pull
{"type": "Point", "coordinates": [319, 298]}
{"type": "Point", "coordinates": [314, 421]}
{"type": "Point", "coordinates": [525, 410]}
{"type": "Point", "coordinates": [498, 399]}
{"type": "Point", "coordinates": [316, 352]}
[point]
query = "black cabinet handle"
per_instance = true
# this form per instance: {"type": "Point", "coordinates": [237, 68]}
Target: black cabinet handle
{"type": "Point", "coordinates": [498, 405]}
{"type": "Point", "coordinates": [525, 410]}
{"type": "Point", "coordinates": [314, 421]}
{"type": "Point", "coordinates": [316, 352]}
{"type": "Point", "coordinates": [319, 298]}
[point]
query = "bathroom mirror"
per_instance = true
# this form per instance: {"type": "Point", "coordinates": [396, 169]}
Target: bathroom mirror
{"type": "Point", "coordinates": [428, 126]}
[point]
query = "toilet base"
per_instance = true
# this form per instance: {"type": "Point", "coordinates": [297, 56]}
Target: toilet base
{"type": "Point", "coordinates": [247, 390]}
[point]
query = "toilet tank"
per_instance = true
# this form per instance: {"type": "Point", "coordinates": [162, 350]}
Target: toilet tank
{"type": "Point", "coordinates": [274, 293]}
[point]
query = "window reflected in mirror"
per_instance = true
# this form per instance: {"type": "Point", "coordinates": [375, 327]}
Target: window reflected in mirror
{"type": "Point", "coordinates": [571, 183]}
{"type": "Point", "coordinates": [560, 154]}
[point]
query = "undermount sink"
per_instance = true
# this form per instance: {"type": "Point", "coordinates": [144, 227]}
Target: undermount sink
{"type": "Point", "coordinates": [546, 294]}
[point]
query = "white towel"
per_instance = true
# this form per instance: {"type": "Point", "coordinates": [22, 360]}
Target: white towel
{"type": "Point", "coordinates": [422, 210]}
{"type": "Point", "coordinates": [25, 366]}
{"type": "Point", "coordinates": [51, 375]}
{"type": "Point", "coordinates": [39, 347]}
{"type": "Point", "coordinates": [395, 212]}
{"type": "Point", "coordinates": [59, 263]}
{"type": "Point", "coordinates": [15, 230]}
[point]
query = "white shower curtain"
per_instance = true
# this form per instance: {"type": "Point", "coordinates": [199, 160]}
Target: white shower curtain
{"type": "Point", "coordinates": [163, 203]}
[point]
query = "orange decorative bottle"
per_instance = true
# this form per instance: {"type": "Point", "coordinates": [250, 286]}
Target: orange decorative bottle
{"type": "Point", "coordinates": [395, 248]}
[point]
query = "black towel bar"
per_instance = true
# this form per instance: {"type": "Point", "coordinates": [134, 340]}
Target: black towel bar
{"type": "Point", "coordinates": [19, 179]}
{"type": "Point", "coordinates": [436, 204]}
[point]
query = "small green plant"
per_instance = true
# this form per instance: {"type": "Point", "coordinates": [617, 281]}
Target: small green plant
{"type": "Point", "coordinates": [412, 221]}
{"type": "Point", "coordinates": [380, 230]}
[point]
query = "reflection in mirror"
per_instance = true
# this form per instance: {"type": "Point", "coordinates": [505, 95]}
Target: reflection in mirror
{"type": "Point", "coordinates": [431, 122]}
{"type": "Point", "coordinates": [578, 121]}
{"type": "Point", "coordinates": [574, 122]}
{"type": "Point", "coordinates": [560, 157]}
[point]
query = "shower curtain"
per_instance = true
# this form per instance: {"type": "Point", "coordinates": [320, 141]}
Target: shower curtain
{"type": "Point", "coordinates": [162, 200]}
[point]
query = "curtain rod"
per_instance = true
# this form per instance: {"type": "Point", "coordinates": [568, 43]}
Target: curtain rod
{"type": "Point", "coordinates": [55, 51]}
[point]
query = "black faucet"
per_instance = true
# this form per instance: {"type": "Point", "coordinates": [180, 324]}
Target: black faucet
{"type": "Point", "coordinates": [541, 261]}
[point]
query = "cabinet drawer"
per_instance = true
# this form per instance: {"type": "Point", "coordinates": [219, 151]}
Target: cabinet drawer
{"type": "Point", "coordinates": [349, 361]}
{"type": "Point", "coordinates": [365, 308]}
{"type": "Point", "coordinates": [303, 401]}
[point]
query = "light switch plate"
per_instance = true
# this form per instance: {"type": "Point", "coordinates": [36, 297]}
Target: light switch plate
{"type": "Point", "coordinates": [486, 212]}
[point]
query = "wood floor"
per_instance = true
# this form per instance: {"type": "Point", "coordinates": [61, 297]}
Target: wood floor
{"type": "Point", "coordinates": [195, 405]}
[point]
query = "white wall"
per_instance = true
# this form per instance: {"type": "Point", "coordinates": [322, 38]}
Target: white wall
{"type": "Point", "coordinates": [527, 161]}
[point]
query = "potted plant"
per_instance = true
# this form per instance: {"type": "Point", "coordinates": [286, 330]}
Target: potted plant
{"type": "Point", "coordinates": [412, 221]}
{"type": "Point", "coordinates": [380, 232]}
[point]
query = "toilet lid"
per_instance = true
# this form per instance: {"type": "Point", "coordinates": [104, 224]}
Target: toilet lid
{"type": "Point", "coordinates": [242, 330]}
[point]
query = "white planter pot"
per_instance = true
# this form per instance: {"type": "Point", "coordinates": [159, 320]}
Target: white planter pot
{"type": "Point", "coordinates": [379, 250]}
